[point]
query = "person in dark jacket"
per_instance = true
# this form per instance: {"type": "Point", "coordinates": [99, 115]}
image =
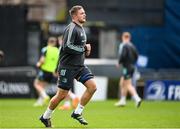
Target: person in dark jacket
{"type": "Point", "coordinates": [71, 66]}
{"type": "Point", "coordinates": [128, 56]}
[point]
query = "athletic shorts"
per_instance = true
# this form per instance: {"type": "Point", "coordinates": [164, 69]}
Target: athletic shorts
{"type": "Point", "coordinates": [127, 71]}
{"type": "Point", "coordinates": [68, 74]}
{"type": "Point", "coordinates": [45, 76]}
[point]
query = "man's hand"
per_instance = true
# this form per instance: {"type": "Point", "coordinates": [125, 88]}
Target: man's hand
{"type": "Point", "coordinates": [38, 65]}
{"type": "Point", "coordinates": [40, 62]}
{"type": "Point", "coordinates": [88, 49]}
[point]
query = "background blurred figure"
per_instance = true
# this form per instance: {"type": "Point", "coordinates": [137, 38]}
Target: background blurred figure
{"type": "Point", "coordinates": [127, 57]}
{"type": "Point", "coordinates": [67, 104]}
{"type": "Point", "coordinates": [1, 57]}
{"type": "Point", "coordinates": [47, 65]}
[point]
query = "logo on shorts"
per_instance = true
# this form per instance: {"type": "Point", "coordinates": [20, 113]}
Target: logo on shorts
{"type": "Point", "coordinates": [63, 72]}
{"type": "Point", "coordinates": [64, 80]}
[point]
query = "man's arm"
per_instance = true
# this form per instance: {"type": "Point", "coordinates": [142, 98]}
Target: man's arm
{"type": "Point", "coordinates": [42, 58]}
{"type": "Point", "coordinates": [88, 49]}
{"type": "Point", "coordinates": [40, 62]}
{"type": "Point", "coordinates": [121, 53]}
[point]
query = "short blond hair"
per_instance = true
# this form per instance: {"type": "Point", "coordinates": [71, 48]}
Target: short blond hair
{"type": "Point", "coordinates": [126, 35]}
{"type": "Point", "coordinates": [74, 9]}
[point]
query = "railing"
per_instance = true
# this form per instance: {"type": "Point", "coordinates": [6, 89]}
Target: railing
{"type": "Point", "coordinates": [26, 70]}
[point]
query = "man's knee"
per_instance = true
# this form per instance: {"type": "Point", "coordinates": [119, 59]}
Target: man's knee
{"type": "Point", "coordinates": [93, 88]}
{"type": "Point", "coordinates": [61, 93]}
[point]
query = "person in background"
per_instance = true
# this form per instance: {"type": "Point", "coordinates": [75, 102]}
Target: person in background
{"type": "Point", "coordinates": [71, 101]}
{"type": "Point", "coordinates": [71, 66]}
{"type": "Point", "coordinates": [127, 58]}
{"type": "Point", "coordinates": [47, 70]}
{"type": "Point", "coordinates": [1, 57]}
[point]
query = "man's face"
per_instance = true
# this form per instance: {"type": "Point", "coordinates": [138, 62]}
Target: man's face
{"type": "Point", "coordinates": [81, 16]}
{"type": "Point", "coordinates": [126, 38]}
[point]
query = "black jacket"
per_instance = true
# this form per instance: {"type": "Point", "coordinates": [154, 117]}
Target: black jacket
{"type": "Point", "coordinates": [128, 54]}
{"type": "Point", "coordinates": [72, 52]}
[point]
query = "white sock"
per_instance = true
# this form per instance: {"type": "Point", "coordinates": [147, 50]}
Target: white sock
{"type": "Point", "coordinates": [47, 113]}
{"type": "Point", "coordinates": [39, 100]}
{"type": "Point", "coordinates": [136, 98]}
{"type": "Point", "coordinates": [123, 98]}
{"type": "Point", "coordinates": [72, 95]}
{"type": "Point", "coordinates": [79, 109]}
{"type": "Point", "coordinates": [43, 94]}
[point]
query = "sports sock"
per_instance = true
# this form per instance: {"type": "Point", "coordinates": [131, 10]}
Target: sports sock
{"type": "Point", "coordinates": [47, 113]}
{"type": "Point", "coordinates": [136, 98]}
{"type": "Point", "coordinates": [39, 100]}
{"type": "Point", "coordinates": [123, 98]}
{"type": "Point", "coordinates": [43, 94]}
{"type": "Point", "coordinates": [79, 109]}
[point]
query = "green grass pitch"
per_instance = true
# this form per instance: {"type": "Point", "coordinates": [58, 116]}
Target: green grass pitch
{"type": "Point", "coordinates": [19, 113]}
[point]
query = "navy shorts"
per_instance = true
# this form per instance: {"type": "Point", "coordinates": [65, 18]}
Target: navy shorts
{"type": "Point", "coordinates": [127, 71]}
{"type": "Point", "coordinates": [45, 76]}
{"type": "Point", "coordinates": [68, 74]}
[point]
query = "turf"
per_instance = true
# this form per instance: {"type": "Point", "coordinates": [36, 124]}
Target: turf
{"type": "Point", "coordinates": [19, 113]}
